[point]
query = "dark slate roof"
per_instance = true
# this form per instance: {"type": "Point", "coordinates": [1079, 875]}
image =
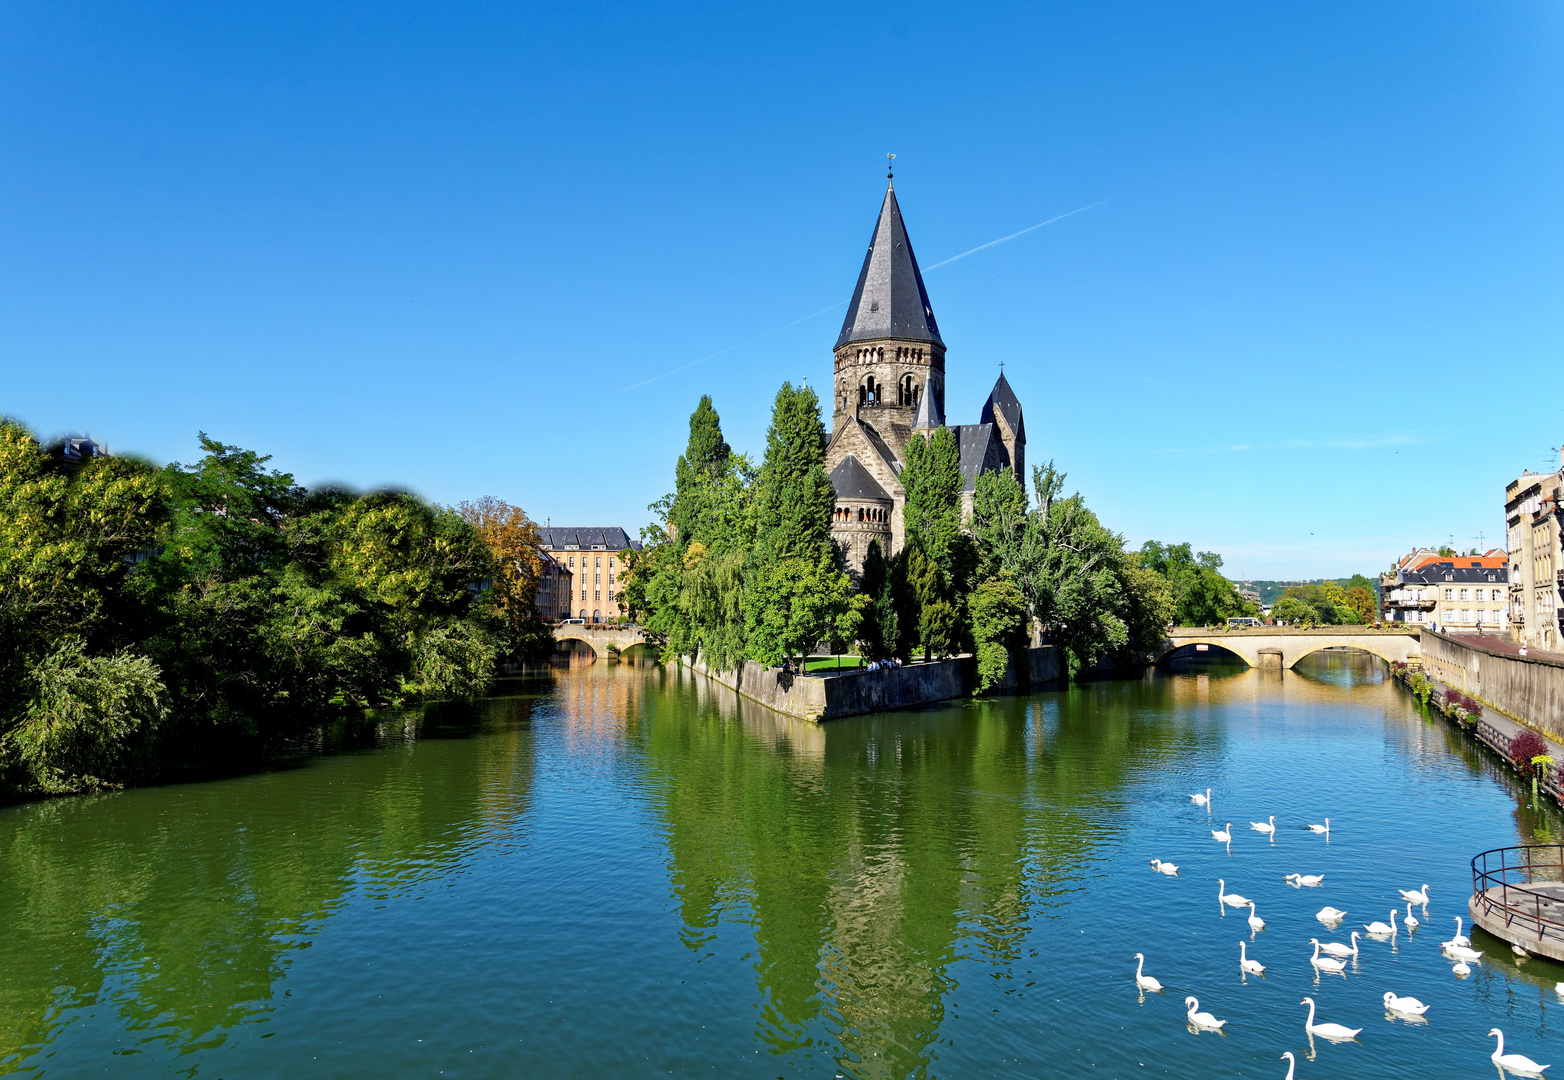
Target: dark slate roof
{"type": "Point", "coordinates": [852, 481]}
{"type": "Point", "coordinates": [981, 451]}
{"type": "Point", "coordinates": [881, 447]}
{"type": "Point", "coordinates": [1004, 400]}
{"type": "Point", "coordinates": [1435, 574]}
{"type": "Point", "coordinates": [890, 300]}
{"type": "Point", "coordinates": [928, 411]}
{"type": "Point", "coordinates": [610, 537]}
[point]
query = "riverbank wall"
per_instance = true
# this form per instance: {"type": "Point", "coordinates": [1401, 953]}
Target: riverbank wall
{"type": "Point", "coordinates": [818, 698]}
{"type": "Point", "coordinates": [1527, 689]}
{"type": "Point", "coordinates": [1493, 730]}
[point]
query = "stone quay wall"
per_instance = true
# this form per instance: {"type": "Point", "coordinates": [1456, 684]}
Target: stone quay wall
{"type": "Point", "coordinates": [818, 698]}
{"type": "Point", "coordinates": [1527, 689]}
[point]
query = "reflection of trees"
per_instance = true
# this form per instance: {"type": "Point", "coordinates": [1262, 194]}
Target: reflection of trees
{"type": "Point", "coordinates": [869, 856]}
{"type": "Point", "coordinates": [178, 906]}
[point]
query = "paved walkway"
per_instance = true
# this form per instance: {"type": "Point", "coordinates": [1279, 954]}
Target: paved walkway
{"type": "Point", "coordinates": [1500, 645]}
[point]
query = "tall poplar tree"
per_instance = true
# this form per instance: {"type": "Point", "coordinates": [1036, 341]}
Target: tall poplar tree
{"type": "Point", "coordinates": [796, 592]}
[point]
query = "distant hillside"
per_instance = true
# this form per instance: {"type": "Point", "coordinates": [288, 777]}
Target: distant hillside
{"type": "Point", "coordinates": [1270, 590]}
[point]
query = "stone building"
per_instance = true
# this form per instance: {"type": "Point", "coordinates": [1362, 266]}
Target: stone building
{"type": "Point", "coordinates": [1535, 521]}
{"type": "Point", "coordinates": [889, 387]}
{"type": "Point", "coordinates": [594, 568]}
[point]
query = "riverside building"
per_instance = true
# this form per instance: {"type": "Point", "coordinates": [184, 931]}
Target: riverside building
{"type": "Point", "coordinates": [1533, 517]}
{"type": "Point", "coordinates": [889, 388]}
{"type": "Point", "coordinates": [593, 563]}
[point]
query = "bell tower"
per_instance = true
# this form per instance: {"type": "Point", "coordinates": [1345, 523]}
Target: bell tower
{"type": "Point", "coordinates": [889, 355]}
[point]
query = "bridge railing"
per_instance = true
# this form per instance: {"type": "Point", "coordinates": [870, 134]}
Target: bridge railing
{"type": "Point", "coordinates": [1499, 887]}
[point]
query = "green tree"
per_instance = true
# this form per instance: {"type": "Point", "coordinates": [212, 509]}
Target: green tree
{"type": "Point", "coordinates": [795, 591]}
{"type": "Point", "coordinates": [999, 616]}
{"type": "Point", "coordinates": [1202, 596]}
{"type": "Point", "coordinates": [1293, 611]}
{"type": "Point", "coordinates": [879, 632]}
{"type": "Point", "coordinates": [932, 481]}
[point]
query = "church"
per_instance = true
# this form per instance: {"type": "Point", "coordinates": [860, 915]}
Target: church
{"type": "Point", "coordinates": [889, 389]}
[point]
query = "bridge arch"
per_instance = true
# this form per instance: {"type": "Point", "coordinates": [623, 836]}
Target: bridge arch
{"type": "Point", "coordinates": [1276, 647]}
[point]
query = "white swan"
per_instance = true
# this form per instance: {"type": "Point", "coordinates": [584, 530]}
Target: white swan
{"type": "Point", "coordinates": [1336, 949]}
{"type": "Point", "coordinates": [1255, 922]}
{"type": "Point", "coordinates": [1520, 953]}
{"type": "Point", "coordinates": [1202, 1019]}
{"type": "Point", "coordinates": [1324, 963]}
{"type": "Point", "coordinates": [1519, 1063]}
{"type": "Point", "coordinates": [1459, 939]}
{"type": "Point", "coordinates": [1322, 829]}
{"type": "Point", "coordinates": [1559, 989]}
{"type": "Point", "coordinates": [1328, 914]}
{"type": "Point", "coordinates": [1260, 826]}
{"type": "Point", "coordinates": [1461, 969]}
{"type": "Point", "coordinates": [1326, 1031]}
{"type": "Point", "coordinates": [1246, 965]}
{"type": "Point", "coordinates": [1291, 1061]}
{"type": "Point", "coordinates": [1231, 899]}
{"type": "Point", "coordinates": [1377, 927]}
{"type": "Point", "coordinates": [1410, 922]}
{"type": "Point", "coordinates": [1461, 952]}
{"type": "Point", "coordinates": [1145, 982]}
{"type": "Point", "coordinates": [1164, 867]}
{"type": "Point", "coordinates": [1223, 836]}
{"type": "Point", "coordinates": [1306, 880]}
{"type": "Point", "coordinates": [1416, 896]}
{"type": "Point", "coordinates": [1201, 800]}
{"type": "Point", "coordinates": [1407, 1005]}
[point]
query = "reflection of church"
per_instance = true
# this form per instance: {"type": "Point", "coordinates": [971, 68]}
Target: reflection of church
{"type": "Point", "coordinates": [890, 388]}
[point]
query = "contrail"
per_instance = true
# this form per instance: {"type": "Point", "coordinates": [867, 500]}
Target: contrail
{"type": "Point", "coordinates": [1023, 232]}
{"type": "Point", "coordinates": [840, 303]}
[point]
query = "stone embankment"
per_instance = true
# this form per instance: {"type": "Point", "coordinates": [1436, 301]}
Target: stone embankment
{"type": "Point", "coordinates": [831, 696]}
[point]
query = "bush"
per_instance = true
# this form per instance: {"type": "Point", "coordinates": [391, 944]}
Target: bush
{"type": "Point", "coordinates": [1524, 746]}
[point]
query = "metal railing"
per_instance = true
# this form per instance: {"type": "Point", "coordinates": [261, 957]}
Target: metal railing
{"type": "Point", "coordinates": [1524, 910]}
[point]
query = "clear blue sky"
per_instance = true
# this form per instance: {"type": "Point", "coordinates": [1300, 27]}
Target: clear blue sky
{"type": "Point", "coordinates": [431, 246]}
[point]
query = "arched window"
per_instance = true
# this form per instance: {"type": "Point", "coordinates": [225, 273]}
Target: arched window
{"type": "Point", "coordinates": [583, 613]}
{"type": "Point", "coordinates": [869, 392]}
{"type": "Point", "coordinates": [597, 616]}
{"type": "Point", "coordinates": [908, 394]}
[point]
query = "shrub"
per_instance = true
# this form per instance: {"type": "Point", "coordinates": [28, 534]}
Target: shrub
{"type": "Point", "coordinates": [1524, 746]}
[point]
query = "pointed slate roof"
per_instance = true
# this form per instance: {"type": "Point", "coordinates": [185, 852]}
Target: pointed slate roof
{"type": "Point", "coordinates": [981, 451]}
{"type": "Point", "coordinates": [890, 300]}
{"type": "Point", "coordinates": [928, 412]}
{"type": "Point", "coordinates": [1003, 399]}
{"type": "Point", "coordinates": [852, 481]}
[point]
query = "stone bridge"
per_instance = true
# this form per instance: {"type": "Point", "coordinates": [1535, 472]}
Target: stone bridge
{"type": "Point", "coordinates": [1284, 646]}
{"type": "Point", "coordinates": [600, 635]}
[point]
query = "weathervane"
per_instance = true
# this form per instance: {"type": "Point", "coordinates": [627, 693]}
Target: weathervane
{"type": "Point", "coordinates": [889, 168]}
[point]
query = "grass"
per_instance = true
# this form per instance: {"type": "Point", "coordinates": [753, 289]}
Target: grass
{"type": "Point", "coordinates": [833, 663]}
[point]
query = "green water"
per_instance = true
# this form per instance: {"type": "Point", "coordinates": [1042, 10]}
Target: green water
{"type": "Point", "coordinates": [612, 871]}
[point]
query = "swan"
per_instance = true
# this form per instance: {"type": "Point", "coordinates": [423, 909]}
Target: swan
{"type": "Point", "coordinates": [1324, 963]}
{"type": "Point", "coordinates": [1520, 953]}
{"type": "Point", "coordinates": [1461, 969]}
{"type": "Point", "coordinates": [1255, 922]}
{"type": "Point", "coordinates": [1202, 1019]}
{"type": "Point", "coordinates": [1309, 880]}
{"type": "Point", "coordinates": [1246, 965]}
{"type": "Point", "coordinates": [1223, 836]}
{"type": "Point", "coordinates": [1459, 939]}
{"type": "Point", "coordinates": [1164, 867]}
{"type": "Point", "coordinates": [1335, 949]}
{"type": "Point", "coordinates": [1328, 914]}
{"type": "Point", "coordinates": [1377, 927]}
{"type": "Point", "coordinates": [1418, 897]}
{"type": "Point", "coordinates": [1201, 800]}
{"type": "Point", "coordinates": [1326, 1031]}
{"type": "Point", "coordinates": [1410, 922]}
{"type": "Point", "coordinates": [1461, 952]}
{"type": "Point", "coordinates": [1323, 829]}
{"type": "Point", "coordinates": [1519, 1063]}
{"type": "Point", "coordinates": [1145, 982]}
{"type": "Point", "coordinates": [1232, 899]}
{"type": "Point", "coordinates": [1559, 989]}
{"type": "Point", "coordinates": [1260, 826]}
{"type": "Point", "coordinates": [1408, 1005]}
{"type": "Point", "coordinates": [1291, 1061]}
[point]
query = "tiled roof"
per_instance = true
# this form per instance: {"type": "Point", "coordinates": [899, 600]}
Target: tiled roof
{"type": "Point", "coordinates": [981, 451]}
{"type": "Point", "coordinates": [599, 537]}
{"type": "Point", "coordinates": [1003, 400]}
{"type": "Point", "coordinates": [1443, 572]}
{"type": "Point", "coordinates": [889, 300]}
{"type": "Point", "coordinates": [852, 481]}
{"type": "Point", "coordinates": [928, 411]}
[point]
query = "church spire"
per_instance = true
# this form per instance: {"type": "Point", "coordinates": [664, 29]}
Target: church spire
{"type": "Point", "coordinates": [890, 300]}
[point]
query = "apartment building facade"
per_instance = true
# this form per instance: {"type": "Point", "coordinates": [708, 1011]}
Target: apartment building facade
{"type": "Point", "coordinates": [1533, 518]}
{"type": "Point", "coordinates": [591, 559]}
{"type": "Point", "coordinates": [1458, 593]}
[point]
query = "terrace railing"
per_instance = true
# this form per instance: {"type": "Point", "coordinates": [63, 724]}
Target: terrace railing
{"type": "Point", "coordinates": [1524, 888]}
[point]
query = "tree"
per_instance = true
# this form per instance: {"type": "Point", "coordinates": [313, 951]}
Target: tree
{"type": "Point", "coordinates": [999, 617]}
{"type": "Point", "coordinates": [1201, 595]}
{"type": "Point", "coordinates": [880, 630]}
{"type": "Point", "coordinates": [516, 549]}
{"type": "Point", "coordinates": [795, 591]}
{"type": "Point", "coordinates": [932, 481]}
{"type": "Point", "coordinates": [1293, 611]}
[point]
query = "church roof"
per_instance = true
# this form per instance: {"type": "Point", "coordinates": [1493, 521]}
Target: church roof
{"type": "Point", "coordinates": [890, 300]}
{"type": "Point", "coordinates": [981, 451]}
{"type": "Point", "coordinates": [928, 412]}
{"type": "Point", "coordinates": [1003, 400]}
{"type": "Point", "coordinates": [852, 481]}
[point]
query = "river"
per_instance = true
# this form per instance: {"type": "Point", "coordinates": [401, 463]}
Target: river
{"type": "Point", "coordinates": [619, 871]}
